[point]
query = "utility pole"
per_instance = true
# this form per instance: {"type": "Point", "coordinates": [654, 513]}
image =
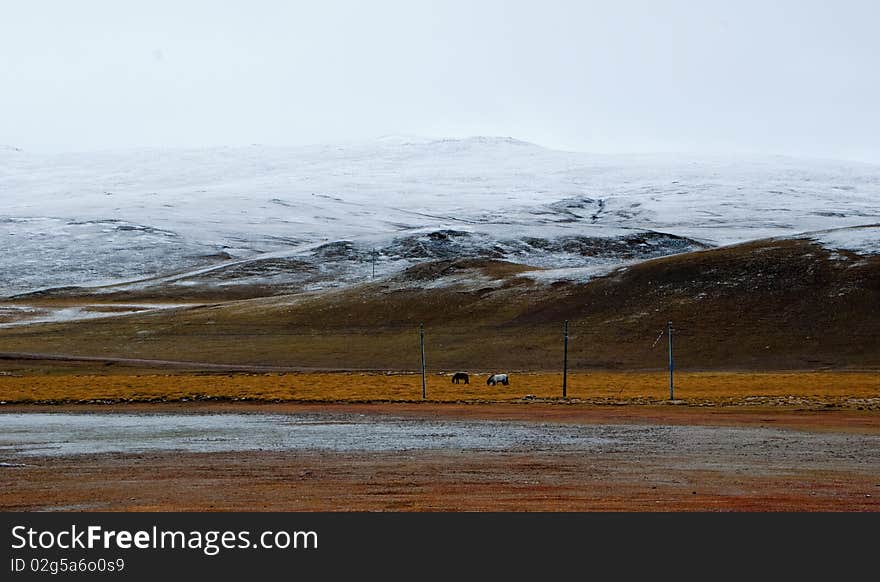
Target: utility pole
{"type": "Point", "coordinates": [422, 348]}
{"type": "Point", "coordinates": [671, 362]}
{"type": "Point", "coordinates": [565, 359]}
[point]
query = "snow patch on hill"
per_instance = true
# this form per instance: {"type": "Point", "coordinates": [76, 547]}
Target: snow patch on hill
{"type": "Point", "coordinates": [101, 217]}
{"type": "Point", "coordinates": [862, 240]}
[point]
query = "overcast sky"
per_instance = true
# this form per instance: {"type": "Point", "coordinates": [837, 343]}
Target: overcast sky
{"type": "Point", "coordinates": [795, 77]}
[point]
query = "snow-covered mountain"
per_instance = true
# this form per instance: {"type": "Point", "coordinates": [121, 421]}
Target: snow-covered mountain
{"type": "Point", "coordinates": [321, 214]}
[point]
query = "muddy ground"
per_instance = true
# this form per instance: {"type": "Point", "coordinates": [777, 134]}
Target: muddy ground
{"type": "Point", "coordinates": [603, 458]}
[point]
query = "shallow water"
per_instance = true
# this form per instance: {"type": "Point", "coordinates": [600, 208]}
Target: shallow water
{"type": "Point", "coordinates": [47, 434]}
{"type": "Point", "coordinates": [25, 435]}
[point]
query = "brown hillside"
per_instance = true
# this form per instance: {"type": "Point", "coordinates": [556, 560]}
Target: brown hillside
{"type": "Point", "coordinates": [767, 305]}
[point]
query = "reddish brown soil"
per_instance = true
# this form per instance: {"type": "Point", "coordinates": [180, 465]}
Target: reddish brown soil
{"type": "Point", "coordinates": [452, 480]}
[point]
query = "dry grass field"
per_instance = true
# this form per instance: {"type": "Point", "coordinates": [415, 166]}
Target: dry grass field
{"type": "Point", "coordinates": [817, 389]}
{"type": "Point", "coordinates": [742, 475]}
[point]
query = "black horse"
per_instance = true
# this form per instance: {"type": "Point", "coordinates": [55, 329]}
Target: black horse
{"type": "Point", "coordinates": [459, 376]}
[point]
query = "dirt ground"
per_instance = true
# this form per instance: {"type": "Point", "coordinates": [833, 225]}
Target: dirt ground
{"type": "Point", "coordinates": [811, 460]}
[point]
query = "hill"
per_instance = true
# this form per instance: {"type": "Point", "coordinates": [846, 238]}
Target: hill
{"type": "Point", "coordinates": [317, 217]}
{"type": "Point", "coordinates": [782, 303]}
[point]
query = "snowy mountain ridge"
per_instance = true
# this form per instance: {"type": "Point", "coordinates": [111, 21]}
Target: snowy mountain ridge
{"type": "Point", "coordinates": [103, 217]}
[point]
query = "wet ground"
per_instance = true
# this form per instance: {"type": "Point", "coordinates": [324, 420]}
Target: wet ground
{"type": "Point", "coordinates": [433, 458]}
{"type": "Point", "coordinates": [54, 434]}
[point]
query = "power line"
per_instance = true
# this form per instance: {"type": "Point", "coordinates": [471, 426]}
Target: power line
{"type": "Point", "coordinates": [565, 360]}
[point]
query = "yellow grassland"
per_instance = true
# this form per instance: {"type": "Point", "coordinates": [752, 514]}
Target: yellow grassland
{"type": "Point", "coordinates": [856, 388]}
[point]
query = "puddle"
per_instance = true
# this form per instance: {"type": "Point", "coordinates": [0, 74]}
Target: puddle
{"type": "Point", "coordinates": [54, 434]}
{"type": "Point", "coordinates": [24, 435]}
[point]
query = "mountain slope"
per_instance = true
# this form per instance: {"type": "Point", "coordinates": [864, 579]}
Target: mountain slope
{"type": "Point", "coordinates": [100, 218]}
{"type": "Point", "coordinates": [784, 303]}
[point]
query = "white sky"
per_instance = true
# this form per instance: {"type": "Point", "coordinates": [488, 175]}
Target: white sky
{"type": "Point", "coordinates": [798, 77]}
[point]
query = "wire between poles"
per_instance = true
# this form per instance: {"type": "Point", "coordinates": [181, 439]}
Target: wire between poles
{"type": "Point", "coordinates": [653, 345]}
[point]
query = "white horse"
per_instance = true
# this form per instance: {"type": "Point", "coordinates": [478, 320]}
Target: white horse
{"type": "Point", "coordinates": [498, 379]}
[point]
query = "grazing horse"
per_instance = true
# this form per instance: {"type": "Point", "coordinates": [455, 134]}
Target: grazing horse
{"type": "Point", "coordinates": [498, 379]}
{"type": "Point", "coordinates": [459, 376]}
